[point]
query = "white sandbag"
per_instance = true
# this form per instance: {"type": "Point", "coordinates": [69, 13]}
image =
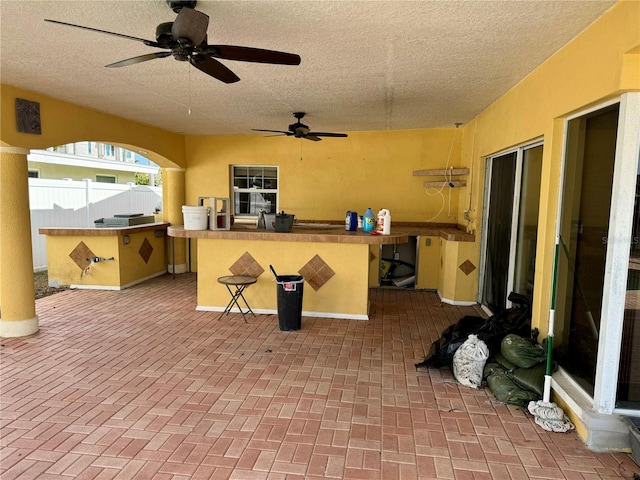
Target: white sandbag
{"type": "Point", "coordinates": [469, 361]}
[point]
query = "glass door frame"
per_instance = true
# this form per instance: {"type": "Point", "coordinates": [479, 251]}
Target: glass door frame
{"type": "Point", "coordinates": [617, 255]}
{"type": "Point", "coordinates": [517, 192]}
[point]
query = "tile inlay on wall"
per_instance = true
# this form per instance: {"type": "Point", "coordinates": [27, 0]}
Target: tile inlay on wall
{"type": "Point", "coordinates": [81, 255]}
{"type": "Point", "coordinates": [246, 265]}
{"type": "Point", "coordinates": [316, 272]}
{"type": "Point", "coordinates": [146, 249]}
{"type": "Point", "coordinates": [467, 267]}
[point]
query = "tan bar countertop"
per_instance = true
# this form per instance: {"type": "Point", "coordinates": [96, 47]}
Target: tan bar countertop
{"type": "Point", "coordinates": [329, 233]}
{"type": "Point", "coordinates": [102, 232]}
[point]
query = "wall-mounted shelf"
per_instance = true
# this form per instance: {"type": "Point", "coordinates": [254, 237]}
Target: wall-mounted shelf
{"type": "Point", "coordinates": [453, 183]}
{"type": "Point", "coordinates": [454, 172]}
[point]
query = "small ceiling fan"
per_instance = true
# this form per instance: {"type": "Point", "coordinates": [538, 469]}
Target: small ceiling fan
{"type": "Point", "coordinates": [186, 40]}
{"type": "Point", "coordinates": [300, 130]}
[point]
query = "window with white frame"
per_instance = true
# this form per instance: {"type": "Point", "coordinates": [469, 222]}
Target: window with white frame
{"type": "Point", "coordinates": [109, 151]}
{"type": "Point", "coordinates": [34, 174]}
{"type": "Point", "coordinates": [255, 188]}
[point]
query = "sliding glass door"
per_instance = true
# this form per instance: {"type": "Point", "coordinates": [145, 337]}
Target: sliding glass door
{"type": "Point", "coordinates": [598, 281]}
{"type": "Point", "coordinates": [512, 197]}
{"type": "Point", "coordinates": [629, 376]}
{"type": "Point", "coordinates": [589, 163]}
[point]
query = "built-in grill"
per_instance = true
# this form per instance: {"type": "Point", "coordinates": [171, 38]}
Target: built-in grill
{"type": "Point", "coordinates": [124, 220]}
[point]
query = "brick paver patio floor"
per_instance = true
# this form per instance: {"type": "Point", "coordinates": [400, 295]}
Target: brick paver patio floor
{"type": "Point", "coordinates": [137, 384]}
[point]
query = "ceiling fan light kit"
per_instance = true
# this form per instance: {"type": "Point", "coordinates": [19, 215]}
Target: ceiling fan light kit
{"type": "Point", "coordinates": [186, 40]}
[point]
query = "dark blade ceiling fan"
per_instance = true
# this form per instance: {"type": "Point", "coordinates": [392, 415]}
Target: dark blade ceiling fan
{"type": "Point", "coordinates": [186, 40]}
{"type": "Point", "coordinates": [300, 130]}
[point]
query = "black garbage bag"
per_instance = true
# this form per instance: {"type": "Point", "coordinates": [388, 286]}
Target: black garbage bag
{"type": "Point", "coordinates": [491, 331]}
{"type": "Point", "coordinates": [442, 350]}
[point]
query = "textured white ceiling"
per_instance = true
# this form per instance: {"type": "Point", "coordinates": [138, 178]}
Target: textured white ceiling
{"type": "Point", "coordinates": [366, 65]}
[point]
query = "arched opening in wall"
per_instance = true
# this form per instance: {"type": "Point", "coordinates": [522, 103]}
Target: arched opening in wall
{"type": "Point", "coordinates": [78, 184]}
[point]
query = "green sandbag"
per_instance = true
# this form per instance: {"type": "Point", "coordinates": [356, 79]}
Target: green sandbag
{"type": "Point", "coordinates": [531, 379]}
{"type": "Point", "coordinates": [491, 367]}
{"type": "Point", "coordinates": [522, 352]}
{"type": "Point", "coordinates": [506, 364]}
{"type": "Point", "coordinates": [507, 391]}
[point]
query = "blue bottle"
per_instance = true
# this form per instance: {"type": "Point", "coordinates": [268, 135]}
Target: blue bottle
{"type": "Point", "coordinates": [351, 221]}
{"type": "Point", "coordinates": [368, 221]}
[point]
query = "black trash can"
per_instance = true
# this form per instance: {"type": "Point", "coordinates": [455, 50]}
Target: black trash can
{"type": "Point", "coordinates": [289, 301]}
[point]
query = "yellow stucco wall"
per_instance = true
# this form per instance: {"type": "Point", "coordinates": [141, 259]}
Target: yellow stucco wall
{"type": "Point", "coordinates": [344, 293]}
{"type": "Point", "coordinates": [458, 283]}
{"type": "Point", "coordinates": [64, 271]}
{"type": "Point", "coordinates": [428, 268]}
{"type": "Point", "coordinates": [132, 264]}
{"type": "Point", "coordinates": [322, 180]}
{"type": "Point", "coordinates": [597, 65]}
{"type": "Point", "coordinates": [128, 266]}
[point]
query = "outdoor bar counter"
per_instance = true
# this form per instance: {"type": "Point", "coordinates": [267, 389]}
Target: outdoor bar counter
{"type": "Point", "coordinates": [338, 266]}
{"type": "Point", "coordinates": [125, 255]}
{"type": "Point", "coordinates": [335, 264]}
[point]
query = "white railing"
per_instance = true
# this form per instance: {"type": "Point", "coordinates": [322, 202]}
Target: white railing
{"type": "Point", "coordinates": [67, 203]}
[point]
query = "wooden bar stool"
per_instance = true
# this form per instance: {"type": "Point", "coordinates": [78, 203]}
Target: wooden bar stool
{"type": "Point", "coordinates": [240, 282]}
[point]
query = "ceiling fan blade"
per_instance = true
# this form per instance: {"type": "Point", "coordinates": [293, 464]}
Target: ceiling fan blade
{"type": "Point", "coordinates": [140, 59]}
{"type": "Point", "coordinates": [128, 37]}
{"type": "Point", "coordinates": [190, 24]}
{"type": "Point", "coordinates": [272, 131]}
{"type": "Point", "coordinates": [214, 68]}
{"type": "Point", "coordinates": [313, 138]}
{"type": "Point", "coordinates": [248, 54]}
{"type": "Point", "coordinates": [327, 134]}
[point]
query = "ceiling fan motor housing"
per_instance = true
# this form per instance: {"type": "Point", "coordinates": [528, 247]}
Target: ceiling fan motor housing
{"type": "Point", "coordinates": [177, 5]}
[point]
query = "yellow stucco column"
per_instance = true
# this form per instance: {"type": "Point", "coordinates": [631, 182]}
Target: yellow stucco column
{"type": "Point", "coordinates": [172, 200]}
{"type": "Point", "coordinates": [17, 297]}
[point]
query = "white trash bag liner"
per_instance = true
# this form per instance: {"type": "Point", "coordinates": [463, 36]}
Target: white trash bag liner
{"type": "Point", "coordinates": [469, 360]}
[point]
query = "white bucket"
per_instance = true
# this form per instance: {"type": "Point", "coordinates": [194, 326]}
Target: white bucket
{"type": "Point", "coordinates": [195, 218]}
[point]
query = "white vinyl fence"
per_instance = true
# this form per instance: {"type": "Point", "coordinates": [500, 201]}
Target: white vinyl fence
{"type": "Point", "coordinates": [66, 203]}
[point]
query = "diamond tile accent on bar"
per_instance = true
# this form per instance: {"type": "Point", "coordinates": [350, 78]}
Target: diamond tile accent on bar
{"type": "Point", "coordinates": [246, 265]}
{"type": "Point", "coordinates": [316, 272]}
{"type": "Point", "coordinates": [467, 267]}
{"type": "Point", "coordinates": [145, 250]}
{"type": "Point", "coordinates": [81, 255]}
